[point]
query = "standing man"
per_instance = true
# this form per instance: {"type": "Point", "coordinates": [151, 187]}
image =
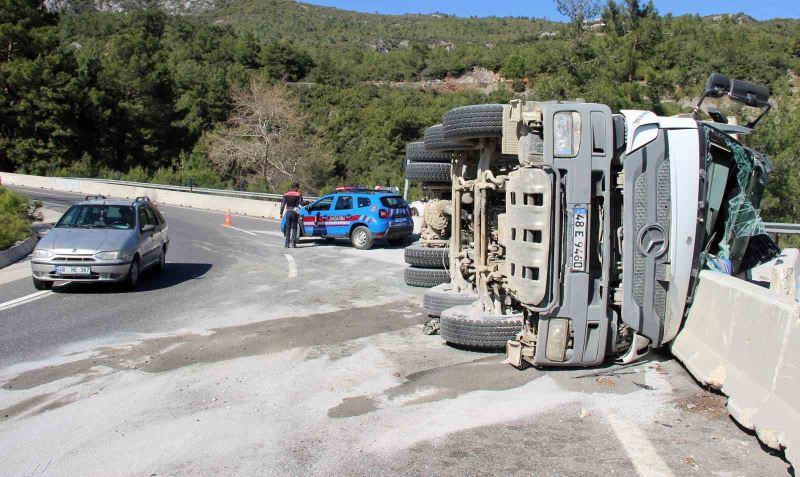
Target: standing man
{"type": "Point", "coordinates": [292, 200]}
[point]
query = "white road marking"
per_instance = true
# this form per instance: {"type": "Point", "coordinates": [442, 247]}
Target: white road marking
{"type": "Point", "coordinates": [643, 455]}
{"type": "Point", "coordinates": [25, 299]}
{"type": "Point", "coordinates": [237, 228]}
{"type": "Point", "coordinates": [268, 232]}
{"type": "Point", "coordinates": [292, 265]}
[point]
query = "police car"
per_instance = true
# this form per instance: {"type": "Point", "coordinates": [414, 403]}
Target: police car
{"type": "Point", "coordinates": [359, 214]}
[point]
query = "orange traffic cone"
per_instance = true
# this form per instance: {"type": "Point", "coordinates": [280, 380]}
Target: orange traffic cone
{"type": "Point", "coordinates": [228, 219]}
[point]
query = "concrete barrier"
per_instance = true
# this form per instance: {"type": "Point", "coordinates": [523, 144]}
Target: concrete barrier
{"type": "Point", "coordinates": [745, 341]}
{"type": "Point", "coordinates": [18, 251]}
{"type": "Point", "coordinates": [250, 207]}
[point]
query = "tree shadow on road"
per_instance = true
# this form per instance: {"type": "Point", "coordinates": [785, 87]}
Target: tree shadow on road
{"type": "Point", "coordinates": [150, 280]}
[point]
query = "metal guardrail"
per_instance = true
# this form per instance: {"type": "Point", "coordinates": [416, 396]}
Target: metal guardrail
{"type": "Point", "coordinates": [782, 229]}
{"type": "Point", "coordinates": [194, 190]}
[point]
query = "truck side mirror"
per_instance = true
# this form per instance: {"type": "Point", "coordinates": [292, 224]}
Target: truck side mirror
{"type": "Point", "coordinates": [749, 93]}
{"type": "Point", "coordinates": [717, 85]}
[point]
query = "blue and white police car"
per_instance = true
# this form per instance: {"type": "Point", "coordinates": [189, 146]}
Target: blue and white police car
{"type": "Point", "coordinates": [359, 214]}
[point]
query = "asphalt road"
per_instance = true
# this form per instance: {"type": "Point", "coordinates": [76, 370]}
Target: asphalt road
{"type": "Point", "coordinates": [245, 358]}
{"type": "Point", "coordinates": [216, 276]}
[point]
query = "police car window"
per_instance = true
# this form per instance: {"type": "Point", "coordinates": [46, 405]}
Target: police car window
{"type": "Point", "coordinates": [322, 204]}
{"type": "Point", "coordinates": [364, 202]}
{"type": "Point", "coordinates": [344, 202]}
{"type": "Point", "coordinates": [393, 201]}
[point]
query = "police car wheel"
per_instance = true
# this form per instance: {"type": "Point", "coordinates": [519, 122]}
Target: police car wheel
{"type": "Point", "coordinates": [361, 238]}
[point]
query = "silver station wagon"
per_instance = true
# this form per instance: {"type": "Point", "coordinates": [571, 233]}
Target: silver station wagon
{"type": "Point", "coordinates": [102, 240]}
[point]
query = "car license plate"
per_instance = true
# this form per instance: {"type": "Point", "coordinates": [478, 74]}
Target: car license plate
{"type": "Point", "coordinates": [67, 270]}
{"type": "Point", "coordinates": [580, 220]}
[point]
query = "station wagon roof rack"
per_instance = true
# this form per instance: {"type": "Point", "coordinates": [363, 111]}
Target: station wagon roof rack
{"type": "Point", "coordinates": [142, 199]}
{"type": "Point", "coordinates": [95, 197]}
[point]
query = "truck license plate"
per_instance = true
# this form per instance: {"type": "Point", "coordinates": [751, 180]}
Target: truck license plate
{"type": "Point", "coordinates": [66, 270]}
{"type": "Point", "coordinates": [580, 219]}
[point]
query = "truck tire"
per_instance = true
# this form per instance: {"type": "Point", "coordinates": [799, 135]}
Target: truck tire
{"type": "Point", "coordinates": [426, 277]}
{"type": "Point", "coordinates": [428, 172]}
{"type": "Point", "coordinates": [427, 257]}
{"type": "Point", "coordinates": [442, 297]}
{"type": "Point", "coordinates": [417, 152]}
{"type": "Point", "coordinates": [468, 326]}
{"type": "Point", "coordinates": [435, 141]}
{"type": "Point", "coordinates": [473, 122]}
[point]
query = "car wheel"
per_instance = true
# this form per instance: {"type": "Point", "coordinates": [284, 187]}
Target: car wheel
{"type": "Point", "coordinates": [473, 122]}
{"type": "Point", "coordinates": [466, 325]}
{"type": "Point", "coordinates": [132, 280]}
{"type": "Point", "coordinates": [361, 238]}
{"type": "Point", "coordinates": [42, 284]}
{"type": "Point", "coordinates": [162, 261]}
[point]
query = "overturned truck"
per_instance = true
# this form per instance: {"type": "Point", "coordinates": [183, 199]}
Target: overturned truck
{"type": "Point", "coordinates": [577, 234]}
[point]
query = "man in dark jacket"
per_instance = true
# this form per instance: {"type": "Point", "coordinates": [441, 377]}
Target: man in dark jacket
{"type": "Point", "coordinates": [292, 200]}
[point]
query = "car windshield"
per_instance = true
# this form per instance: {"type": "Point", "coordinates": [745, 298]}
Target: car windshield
{"type": "Point", "coordinates": [393, 202]}
{"type": "Point", "coordinates": [98, 217]}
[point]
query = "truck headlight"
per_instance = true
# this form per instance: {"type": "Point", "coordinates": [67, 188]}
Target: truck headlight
{"type": "Point", "coordinates": [43, 254]}
{"type": "Point", "coordinates": [566, 134]}
{"type": "Point", "coordinates": [120, 255]}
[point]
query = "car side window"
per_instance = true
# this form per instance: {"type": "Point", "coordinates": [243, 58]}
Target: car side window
{"type": "Point", "coordinates": [151, 216]}
{"type": "Point", "coordinates": [157, 214]}
{"type": "Point", "coordinates": [142, 218]}
{"type": "Point", "coordinates": [344, 202]}
{"type": "Point", "coordinates": [322, 204]}
{"type": "Point", "coordinates": [364, 202]}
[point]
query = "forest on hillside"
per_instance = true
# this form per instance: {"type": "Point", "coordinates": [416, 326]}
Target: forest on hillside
{"type": "Point", "coordinates": [142, 94]}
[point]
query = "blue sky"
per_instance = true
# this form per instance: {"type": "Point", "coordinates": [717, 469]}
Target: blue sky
{"type": "Point", "coordinates": [762, 10]}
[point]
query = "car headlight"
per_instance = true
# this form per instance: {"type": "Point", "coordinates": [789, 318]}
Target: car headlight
{"type": "Point", "coordinates": [42, 253]}
{"type": "Point", "coordinates": [120, 255]}
{"type": "Point", "coordinates": [566, 134]}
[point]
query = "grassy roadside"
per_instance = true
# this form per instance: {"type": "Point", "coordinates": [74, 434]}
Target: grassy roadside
{"type": "Point", "coordinates": [16, 214]}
